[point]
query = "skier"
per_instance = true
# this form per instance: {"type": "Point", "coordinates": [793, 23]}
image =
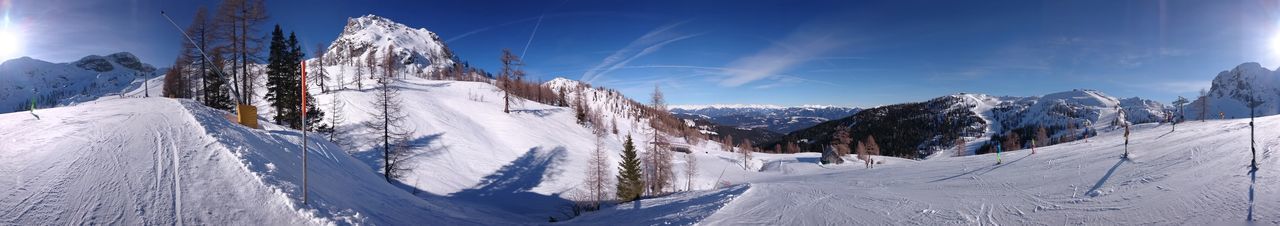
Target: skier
{"type": "Point", "coordinates": [998, 160]}
{"type": "Point", "coordinates": [33, 104]}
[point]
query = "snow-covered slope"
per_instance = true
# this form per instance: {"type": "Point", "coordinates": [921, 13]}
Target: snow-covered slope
{"type": "Point", "coordinates": [1231, 91]}
{"type": "Point", "coordinates": [162, 161]}
{"type": "Point", "coordinates": [775, 118]}
{"type": "Point", "coordinates": [60, 84]}
{"type": "Point", "coordinates": [1197, 175]}
{"type": "Point", "coordinates": [420, 51]}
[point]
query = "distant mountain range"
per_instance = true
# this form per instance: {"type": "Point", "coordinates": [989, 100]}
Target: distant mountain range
{"type": "Point", "coordinates": [773, 118]}
{"type": "Point", "coordinates": [921, 129]}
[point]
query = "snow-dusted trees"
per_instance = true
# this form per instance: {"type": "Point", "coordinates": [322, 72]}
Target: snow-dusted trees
{"type": "Point", "coordinates": [962, 147]}
{"type": "Point", "coordinates": [386, 121]}
{"type": "Point", "coordinates": [745, 154]}
{"type": "Point", "coordinates": [630, 184]}
{"type": "Point", "coordinates": [597, 181]}
{"type": "Point", "coordinates": [690, 170]}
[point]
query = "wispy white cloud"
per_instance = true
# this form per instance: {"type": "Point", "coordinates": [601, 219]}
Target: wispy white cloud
{"type": "Point", "coordinates": [644, 45]}
{"type": "Point", "coordinates": [802, 45]}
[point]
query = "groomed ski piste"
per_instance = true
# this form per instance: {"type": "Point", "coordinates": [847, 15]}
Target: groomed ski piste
{"type": "Point", "coordinates": [165, 161]}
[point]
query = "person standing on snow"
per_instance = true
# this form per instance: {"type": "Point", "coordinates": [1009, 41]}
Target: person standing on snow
{"type": "Point", "coordinates": [33, 103]}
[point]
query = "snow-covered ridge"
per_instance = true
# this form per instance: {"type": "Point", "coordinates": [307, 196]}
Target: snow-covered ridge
{"type": "Point", "coordinates": [60, 84]}
{"type": "Point", "coordinates": [421, 52]}
{"type": "Point", "coordinates": [1232, 89]}
{"type": "Point", "coordinates": [756, 106]}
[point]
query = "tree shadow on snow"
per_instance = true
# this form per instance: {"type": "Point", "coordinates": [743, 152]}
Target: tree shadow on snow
{"type": "Point", "coordinates": [509, 187]}
{"type": "Point", "coordinates": [1094, 191]}
{"type": "Point", "coordinates": [813, 160]}
{"type": "Point", "coordinates": [372, 157]}
{"type": "Point", "coordinates": [1253, 180]}
{"type": "Point", "coordinates": [987, 168]}
{"type": "Point", "coordinates": [539, 112]}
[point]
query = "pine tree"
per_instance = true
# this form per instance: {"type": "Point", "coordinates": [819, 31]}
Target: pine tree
{"type": "Point", "coordinates": [314, 114]}
{"type": "Point", "coordinates": [280, 85]}
{"type": "Point", "coordinates": [217, 90]}
{"type": "Point", "coordinates": [630, 186]}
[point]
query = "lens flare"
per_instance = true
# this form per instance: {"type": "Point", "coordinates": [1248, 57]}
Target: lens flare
{"type": "Point", "coordinates": [10, 39]}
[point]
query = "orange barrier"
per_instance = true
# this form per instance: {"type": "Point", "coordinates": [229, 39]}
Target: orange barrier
{"type": "Point", "coordinates": [247, 115]}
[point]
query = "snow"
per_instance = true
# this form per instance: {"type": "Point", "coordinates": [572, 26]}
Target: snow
{"type": "Point", "coordinates": [1196, 175]}
{"type": "Point", "coordinates": [161, 161]}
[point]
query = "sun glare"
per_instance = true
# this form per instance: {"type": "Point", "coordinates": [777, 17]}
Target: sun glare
{"type": "Point", "coordinates": [10, 40]}
{"type": "Point", "coordinates": [10, 44]}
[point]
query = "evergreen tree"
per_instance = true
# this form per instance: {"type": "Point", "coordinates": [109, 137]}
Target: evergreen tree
{"type": "Point", "coordinates": [280, 80]}
{"type": "Point", "coordinates": [284, 84]}
{"type": "Point", "coordinates": [630, 185]}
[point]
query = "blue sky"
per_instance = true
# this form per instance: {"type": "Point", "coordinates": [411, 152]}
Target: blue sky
{"type": "Point", "coordinates": [851, 53]}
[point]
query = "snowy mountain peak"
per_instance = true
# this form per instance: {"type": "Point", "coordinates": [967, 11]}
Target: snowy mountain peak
{"type": "Point", "coordinates": [1231, 91]}
{"type": "Point", "coordinates": [105, 63]}
{"type": "Point", "coordinates": [560, 82]}
{"type": "Point", "coordinates": [421, 52]}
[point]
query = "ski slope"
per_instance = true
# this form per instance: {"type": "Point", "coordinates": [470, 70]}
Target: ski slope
{"type": "Point", "coordinates": [162, 161]}
{"type": "Point", "coordinates": [1197, 175]}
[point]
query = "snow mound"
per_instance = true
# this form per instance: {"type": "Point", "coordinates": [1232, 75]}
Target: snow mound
{"type": "Point", "coordinates": [163, 161]}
